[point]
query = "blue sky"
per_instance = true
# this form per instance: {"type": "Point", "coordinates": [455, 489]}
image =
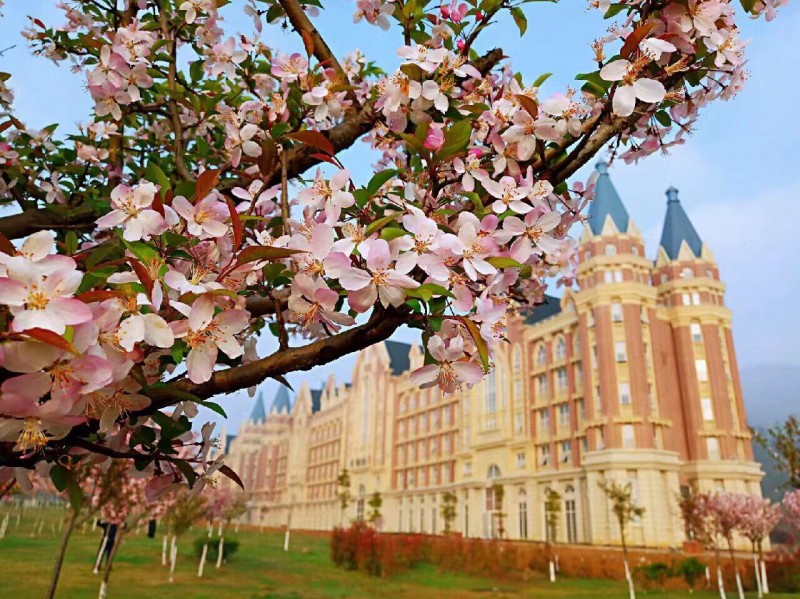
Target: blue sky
{"type": "Point", "coordinates": [738, 174]}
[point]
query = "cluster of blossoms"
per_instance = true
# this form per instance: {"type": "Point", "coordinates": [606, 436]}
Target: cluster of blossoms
{"type": "Point", "coordinates": [121, 71]}
{"type": "Point", "coordinates": [179, 238]}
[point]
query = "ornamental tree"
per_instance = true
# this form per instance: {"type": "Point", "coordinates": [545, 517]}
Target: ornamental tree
{"type": "Point", "coordinates": [205, 202]}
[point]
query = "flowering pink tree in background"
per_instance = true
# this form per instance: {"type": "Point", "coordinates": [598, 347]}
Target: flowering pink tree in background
{"type": "Point", "coordinates": [791, 508]}
{"type": "Point", "coordinates": [150, 247]}
{"type": "Point", "coordinates": [758, 517]}
{"type": "Point", "coordinates": [727, 512]}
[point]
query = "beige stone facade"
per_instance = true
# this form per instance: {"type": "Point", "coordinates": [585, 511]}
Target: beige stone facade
{"type": "Point", "coordinates": [631, 376]}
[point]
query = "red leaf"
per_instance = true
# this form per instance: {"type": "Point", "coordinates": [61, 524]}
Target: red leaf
{"type": "Point", "coordinates": [157, 204]}
{"type": "Point", "coordinates": [51, 338]}
{"type": "Point", "coordinates": [529, 104]}
{"type": "Point", "coordinates": [269, 156]}
{"type": "Point", "coordinates": [313, 138]}
{"type": "Point", "coordinates": [638, 34]}
{"type": "Point", "coordinates": [308, 42]}
{"type": "Point", "coordinates": [228, 471]}
{"type": "Point", "coordinates": [143, 275]}
{"type": "Point", "coordinates": [206, 181]}
{"type": "Point", "coordinates": [325, 158]}
{"type": "Point", "coordinates": [168, 196]}
{"type": "Point", "coordinates": [6, 246]}
{"type": "Point", "coordinates": [237, 225]}
{"type": "Point", "coordinates": [98, 295]}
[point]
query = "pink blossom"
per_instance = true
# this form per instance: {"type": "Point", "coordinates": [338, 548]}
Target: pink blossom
{"type": "Point", "coordinates": [631, 87]}
{"type": "Point", "coordinates": [204, 220]}
{"type": "Point", "coordinates": [130, 209]}
{"type": "Point", "coordinates": [435, 139]}
{"type": "Point", "coordinates": [328, 195]}
{"type": "Point", "coordinates": [379, 281]}
{"type": "Point", "coordinates": [533, 232]}
{"type": "Point", "coordinates": [423, 56]}
{"type": "Point", "coordinates": [453, 368]}
{"type": "Point", "coordinates": [206, 334]}
{"type": "Point", "coordinates": [312, 304]}
{"type": "Point", "coordinates": [289, 67]}
{"type": "Point", "coordinates": [42, 301]}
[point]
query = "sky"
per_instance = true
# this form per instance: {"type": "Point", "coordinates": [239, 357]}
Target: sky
{"type": "Point", "coordinates": [738, 174]}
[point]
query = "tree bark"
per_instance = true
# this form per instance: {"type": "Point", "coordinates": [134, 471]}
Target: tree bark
{"type": "Point", "coordinates": [62, 551]}
{"type": "Point", "coordinates": [110, 562]}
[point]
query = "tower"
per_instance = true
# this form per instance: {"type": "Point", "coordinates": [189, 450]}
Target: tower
{"type": "Point", "coordinates": [690, 290]}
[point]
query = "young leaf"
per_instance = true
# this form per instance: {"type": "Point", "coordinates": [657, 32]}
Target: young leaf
{"type": "Point", "coordinates": [50, 338]}
{"type": "Point", "coordinates": [314, 139]}
{"type": "Point", "coordinates": [154, 174]}
{"type": "Point", "coordinates": [236, 223]}
{"type": "Point", "coordinates": [380, 223]}
{"type": "Point", "coordinates": [379, 179]}
{"type": "Point", "coordinates": [456, 140]}
{"type": "Point", "coordinates": [206, 181]}
{"type": "Point", "coordinates": [143, 275]}
{"type": "Point", "coordinates": [263, 252]}
{"type": "Point", "coordinates": [529, 104]}
{"type": "Point", "coordinates": [480, 343]}
{"type": "Point", "coordinates": [520, 19]}
{"type": "Point", "coordinates": [638, 34]}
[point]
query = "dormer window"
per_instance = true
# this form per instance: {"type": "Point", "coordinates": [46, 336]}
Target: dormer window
{"type": "Point", "coordinates": [611, 250]}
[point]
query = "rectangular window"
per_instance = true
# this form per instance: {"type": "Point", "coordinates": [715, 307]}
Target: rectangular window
{"type": "Point", "coordinates": [702, 370]}
{"type": "Point", "coordinates": [616, 312]}
{"type": "Point", "coordinates": [696, 298]}
{"type": "Point", "coordinates": [566, 451]}
{"type": "Point", "coordinates": [563, 415]}
{"type": "Point", "coordinates": [544, 421]}
{"type": "Point", "coordinates": [542, 384]}
{"type": "Point", "coordinates": [467, 468]}
{"type": "Point", "coordinates": [519, 423]}
{"type": "Point", "coordinates": [521, 460]}
{"type": "Point", "coordinates": [697, 333]}
{"type": "Point", "coordinates": [687, 300]}
{"type": "Point", "coordinates": [712, 446]}
{"type": "Point", "coordinates": [523, 520]}
{"type": "Point", "coordinates": [561, 373]}
{"type": "Point", "coordinates": [708, 410]}
{"type": "Point", "coordinates": [544, 455]}
{"type": "Point", "coordinates": [628, 436]}
{"type": "Point", "coordinates": [594, 356]}
{"type": "Point", "coordinates": [621, 351]}
{"type": "Point", "coordinates": [601, 439]}
{"type": "Point", "coordinates": [618, 276]}
{"type": "Point", "coordinates": [608, 277]}
{"type": "Point", "coordinates": [578, 375]}
{"type": "Point", "coordinates": [625, 394]}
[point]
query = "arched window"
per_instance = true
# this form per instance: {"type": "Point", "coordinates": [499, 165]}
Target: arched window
{"type": "Point", "coordinates": [687, 273]}
{"type": "Point", "coordinates": [611, 250]}
{"type": "Point", "coordinates": [561, 349]}
{"type": "Point", "coordinates": [517, 358]}
{"type": "Point", "coordinates": [541, 356]}
{"type": "Point", "coordinates": [493, 472]}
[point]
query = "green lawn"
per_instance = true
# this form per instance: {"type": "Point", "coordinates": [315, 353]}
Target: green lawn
{"type": "Point", "coordinates": [261, 570]}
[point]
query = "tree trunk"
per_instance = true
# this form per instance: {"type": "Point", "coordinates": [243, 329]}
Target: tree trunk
{"type": "Point", "coordinates": [220, 551]}
{"type": "Point", "coordinates": [164, 543]}
{"type": "Point", "coordinates": [735, 569]}
{"type": "Point", "coordinates": [552, 571]}
{"type": "Point", "coordinates": [62, 551]}
{"type": "Point", "coordinates": [96, 569]}
{"type": "Point", "coordinates": [4, 526]}
{"type": "Point", "coordinates": [628, 577]}
{"type": "Point", "coordinates": [757, 574]}
{"type": "Point", "coordinates": [110, 562]}
{"type": "Point", "coordinates": [173, 558]}
{"type": "Point", "coordinates": [202, 560]}
{"type": "Point", "coordinates": [720, 581]}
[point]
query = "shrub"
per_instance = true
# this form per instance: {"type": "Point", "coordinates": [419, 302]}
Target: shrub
{"type": "Point", "coordinates": [229, 547]}
{"type": "Point", "coordinates": [361, 547]}
{"type": "Point", "coordinates": [691, 569]}
{"type": "Point", "coordinates": [654, 575]}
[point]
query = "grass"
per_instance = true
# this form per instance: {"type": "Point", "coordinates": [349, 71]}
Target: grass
{"type": "Point", "coordinates": [260, 570]}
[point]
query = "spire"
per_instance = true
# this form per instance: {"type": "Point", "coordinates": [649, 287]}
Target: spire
{"type": "Point", "coordinates": [282, 403]}
{"type": "Point", "coordinates": [259, 414]}
{"type": "Point", "coordinates": [678, 228]}
{"type": "Point", "coordinates": [606, 203]}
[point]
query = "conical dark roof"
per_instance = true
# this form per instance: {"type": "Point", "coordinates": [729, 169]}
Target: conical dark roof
{"type": "Point", "coordinates": [259, 413]}
{"type": "Point", "coordinates": [399, 356]}
{"type": "Point", "coordinates": [606, 203]}
{"type": "Point", "coordinates": [282, 402]}
{"type": "Point", "coordinates": [678, 228]}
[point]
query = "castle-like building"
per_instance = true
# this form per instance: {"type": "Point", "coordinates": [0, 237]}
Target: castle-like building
{"type": "Point", "coordinates": [630, 377]}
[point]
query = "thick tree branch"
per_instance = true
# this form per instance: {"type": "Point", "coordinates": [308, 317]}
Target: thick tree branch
{"type": "Point", "coordinates": [380, 326]}
{"type": "Point", "coordinates": [20, 225]}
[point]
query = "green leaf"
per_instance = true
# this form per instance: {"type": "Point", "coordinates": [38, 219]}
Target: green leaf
{"type": "Point", "coordinates": [390, 233]}
{"type": "Point", "coordinates": [541, 79]}
{"type": "Point", "coordinates": [214, 407]}
{"type": "Point", "coordinates": [60, 476]}
{"type": "Point", "coordinates": [380, 223]}
{"type": "Point", "coordinates": [615, 9]}
{"type": "Point", "coordinates": [75, 494]}
{"type": "Point", "coordinates": [520, 19]}
{"type": "Point", "coordinates": [663, 117]}
{"type": "Point", "coordinates": [70, 243]}
{"type": "Point", "coordinates": [362, 197]}
{"type": "Point", "coordinates": [456, 140]}
{"type": "Point", "coordinates": [154, 174]}
{"type": "Point", "coordinates": [186, 469]}
{"type": "Point", "coordinates": [141, 250]}
{"type": "Point", "coordinates": [480, 343]}
{"type": "Point", "coordinates": [379, 179]}
{"type": "Point", "coordinates": [501, 262]}
{"type": "Point", "coordinates": [748, 5]}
